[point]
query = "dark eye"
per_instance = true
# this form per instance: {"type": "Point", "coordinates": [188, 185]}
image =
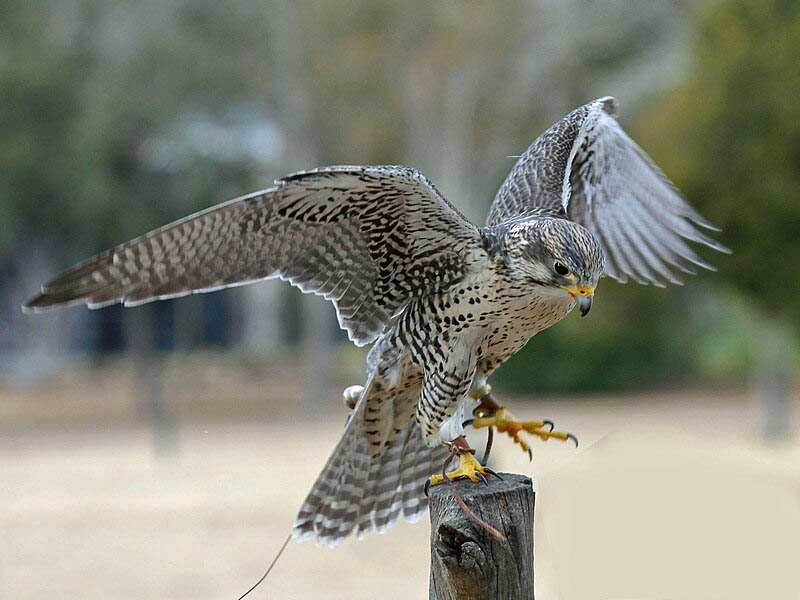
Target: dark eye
{"type": "Point", "coordinates": [560, 268]}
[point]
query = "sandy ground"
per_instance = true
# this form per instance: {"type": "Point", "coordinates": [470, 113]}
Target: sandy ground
{"type": "Point", "coordinates": [670, 496]}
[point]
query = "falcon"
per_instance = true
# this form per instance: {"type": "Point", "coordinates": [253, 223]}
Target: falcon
{"type": "Point", "coordinates": [443, 301]}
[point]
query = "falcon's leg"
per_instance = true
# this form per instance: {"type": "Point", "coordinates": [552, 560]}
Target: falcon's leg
{"type": "Point", "coordinates": [468, 466]}
{"type": "Point", "coordinates": [490, 414]}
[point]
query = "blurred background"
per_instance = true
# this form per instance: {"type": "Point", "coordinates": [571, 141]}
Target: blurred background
{"type": "Point", "coordinates": [162, 451]}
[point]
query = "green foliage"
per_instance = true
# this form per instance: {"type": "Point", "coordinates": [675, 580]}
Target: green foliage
{"type": "Point", "coordinates": [730, 138]}
{"type": "Point", "coordinates": [38, 107]}
{"type": "Point", "coordinates": [80, 105]}
{"type": "Point", "coordinates": [633, 337]}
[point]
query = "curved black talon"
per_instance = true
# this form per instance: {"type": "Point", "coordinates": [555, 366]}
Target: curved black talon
{"type": "Point", "coordinates": [468, 422]}
{"type": "Point", "coordinates": [530, 455]}
{"type": "Point", "coordinates": [573, 438]}
{"type": "Point", "coordinates": [482, 477]}
{"type": "Point", "coordinates": [427, 487]}
{"type": "Point", "coordinates": [493, 472]}
{"type": "Point", "coordinates": [549, 422]}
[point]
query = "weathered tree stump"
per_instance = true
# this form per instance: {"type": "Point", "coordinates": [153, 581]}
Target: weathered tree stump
{"type": "Point", "coordinates": [467, 561]}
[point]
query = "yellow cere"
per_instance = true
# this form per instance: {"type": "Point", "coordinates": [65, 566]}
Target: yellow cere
{"type": "Point", "coordinates": [579, 290]}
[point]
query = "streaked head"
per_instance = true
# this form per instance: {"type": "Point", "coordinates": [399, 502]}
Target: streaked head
{"type": "Point", "coordinates": [556, 254]}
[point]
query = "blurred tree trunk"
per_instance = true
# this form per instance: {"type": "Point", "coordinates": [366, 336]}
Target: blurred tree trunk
{"type": "Point", "coordinates": [301, 151]}
{"type": "Point", "coordinates": [32, 347]}
{"type": "Point", "coordinates": [188, 322]}
{"type": "Point", "coordinates": [440, 134]}
{"type": "Point", "coordinates": [140, 333]}
{"type": "Point", "coordinates": [773, 376]}
{"type": "Point", "coordinates": [261, 319]}
{"type": "Point", "coordinates": [461, 95]}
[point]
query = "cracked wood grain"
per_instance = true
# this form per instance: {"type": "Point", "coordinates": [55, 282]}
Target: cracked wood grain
{"type": "Point", "coordinates": [468, 562]}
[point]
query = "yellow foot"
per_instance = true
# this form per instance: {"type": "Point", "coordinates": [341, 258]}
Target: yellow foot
{"type": "Point", "coordinates": [468, 466]}
{"type": "Point", "coordinates": [505, 422]}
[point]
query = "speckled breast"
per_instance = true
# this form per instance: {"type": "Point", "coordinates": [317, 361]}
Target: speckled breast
{"type": "Point", "coordinates": [518, 317]}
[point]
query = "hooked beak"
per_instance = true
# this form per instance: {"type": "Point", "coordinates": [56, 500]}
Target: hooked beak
{"type": "Point", "coordinates": [583, 295]}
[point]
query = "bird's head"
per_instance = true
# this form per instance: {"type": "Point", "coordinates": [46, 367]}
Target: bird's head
{"type": "Point", "coordinates": [557, 256]}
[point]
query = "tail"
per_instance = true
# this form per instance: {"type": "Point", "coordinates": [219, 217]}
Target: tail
{"type": "Point", "coordinates": [355, 493]}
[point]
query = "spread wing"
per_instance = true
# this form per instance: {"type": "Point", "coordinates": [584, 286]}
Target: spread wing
{"type": "Point", "coordinates": [366, 238]}
{"type": "Point", "coordinates": [586, 167]}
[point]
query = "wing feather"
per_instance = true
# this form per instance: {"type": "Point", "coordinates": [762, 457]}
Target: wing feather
{"type": "Point", "coordinates": [366, 238]}
{"type": "Point", "coordinates": [586, 168]}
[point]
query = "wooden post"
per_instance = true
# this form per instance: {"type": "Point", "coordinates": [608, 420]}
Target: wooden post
{"type": "Point", "coordinates": [467, 561]}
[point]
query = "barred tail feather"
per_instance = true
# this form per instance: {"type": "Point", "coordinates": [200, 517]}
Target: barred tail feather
{"type": "Point", "coordinates": [396, 484]}
{"type": "Point", "coordinates": [355, 493]}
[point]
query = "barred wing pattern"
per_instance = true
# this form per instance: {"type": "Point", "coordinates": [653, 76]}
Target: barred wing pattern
{"type": "Point", "coordinates": [367, 238]}
{"type": "Point", "coordinates": [586, 168]}
{"type": "Point", "coordinates": [357, 493]}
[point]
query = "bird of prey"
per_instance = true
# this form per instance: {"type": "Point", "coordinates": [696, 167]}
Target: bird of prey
{"type": "Point", "coordinates": [443, 301]}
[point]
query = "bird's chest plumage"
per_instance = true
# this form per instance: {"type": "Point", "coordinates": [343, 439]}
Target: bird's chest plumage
{"type": "Point", "coordinates": [517, 315]}
{"type": "Point", "coordinates": [456, 339]}
{"type": "Point", "coordinates": [488, 313]}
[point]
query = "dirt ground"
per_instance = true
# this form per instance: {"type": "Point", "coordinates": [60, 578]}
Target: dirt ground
{"type": "Point", "coordinates": [671, 495]}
